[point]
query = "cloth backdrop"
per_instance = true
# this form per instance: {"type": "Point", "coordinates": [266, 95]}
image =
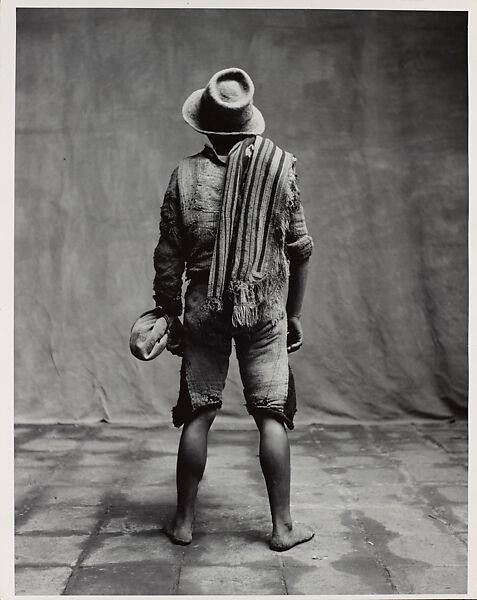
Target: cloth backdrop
{"type": "Point", "coordinates": [373, 104]}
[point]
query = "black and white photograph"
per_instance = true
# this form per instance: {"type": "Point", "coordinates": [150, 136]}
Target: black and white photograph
{"type": "Point", "coordinates": [241, 300]}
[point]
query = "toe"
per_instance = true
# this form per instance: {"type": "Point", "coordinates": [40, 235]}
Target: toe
{"type": "Point", "coordinates": [298, 535]}
{"type": "Point", "coordinates": [175, 537]}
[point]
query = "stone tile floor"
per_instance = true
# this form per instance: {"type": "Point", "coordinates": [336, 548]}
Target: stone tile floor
{"type": "Point", "coordinates": [388, 503]}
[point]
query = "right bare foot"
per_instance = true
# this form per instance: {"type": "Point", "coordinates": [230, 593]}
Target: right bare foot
{"type": "Point", "coordinates": [290, 536]}
{"type": "Point", "coordinates": [181, 535]}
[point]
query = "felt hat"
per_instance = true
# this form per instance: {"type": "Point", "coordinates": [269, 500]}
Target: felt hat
{"type": "Point", "coordinates": [225, 106]}
{"type": "Point", "coordinates": [149, 335]}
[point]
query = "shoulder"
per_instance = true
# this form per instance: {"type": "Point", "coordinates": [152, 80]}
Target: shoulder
{"type": "Point", "coordinates": [193, 158]}
{"type": "Point", "coordinates": [268, 142]}
{"type": "Point", "coordinates": [189, 164]}
{"type": "Point", "coordinates": [289, 162]}
{"type": "Point", "coordinates": [186, 170]}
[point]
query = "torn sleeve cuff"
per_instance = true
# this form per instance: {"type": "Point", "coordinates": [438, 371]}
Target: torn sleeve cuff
{"type": "Point", "coordinates": [300, 249]}
{"type": "Point", "coordinates": [171, 306]}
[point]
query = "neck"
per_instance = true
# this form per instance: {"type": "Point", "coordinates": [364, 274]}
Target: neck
{"type": "Point", "coordinates": [224, 143]}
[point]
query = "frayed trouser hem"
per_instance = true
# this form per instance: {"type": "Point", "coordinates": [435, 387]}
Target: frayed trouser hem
{"type": "Point", "coordinates": [273, 412]}
{"type": "Point", "coordinates": [284, 415]}
{"type": "Point", "coordinates": [181, 415]}
{"type": "Point", "coordinates": [184, 411]}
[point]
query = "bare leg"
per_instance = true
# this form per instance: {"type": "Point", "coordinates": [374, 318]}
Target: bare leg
{"type": "Point", "coordinates": [191, 459]}
{"type": "Point", "coordinates": [275, 463]}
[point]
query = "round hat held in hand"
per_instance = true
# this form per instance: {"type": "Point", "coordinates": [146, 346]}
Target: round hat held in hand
{"type": "Point", "coordinates": [149, 335]}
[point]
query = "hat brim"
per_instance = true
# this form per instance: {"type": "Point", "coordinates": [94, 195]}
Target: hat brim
{"type": "Point", "coordinates": [190, 113]}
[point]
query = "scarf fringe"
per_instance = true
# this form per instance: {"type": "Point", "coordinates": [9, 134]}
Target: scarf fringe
{"type": "Point", "coordinates": [252, 299]}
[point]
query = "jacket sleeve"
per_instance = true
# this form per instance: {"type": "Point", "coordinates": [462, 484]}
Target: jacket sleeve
{"type": "Point", "coordinates": [169, 260]}
{"type": "Point", "coordinates": [299, 244]}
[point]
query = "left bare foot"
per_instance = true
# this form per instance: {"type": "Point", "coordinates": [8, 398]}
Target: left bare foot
{"type": "Point", "coordinates": [181, 535]}
{"type": "Point", "coordinates": [291, 536]}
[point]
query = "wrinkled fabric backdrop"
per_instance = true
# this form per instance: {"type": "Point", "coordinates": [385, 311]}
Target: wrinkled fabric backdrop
{"type": "Point", "coordinates": [374, 105]}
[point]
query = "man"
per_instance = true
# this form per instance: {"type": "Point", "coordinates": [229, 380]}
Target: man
{"type": "Point", "coordinates": [232, 218]}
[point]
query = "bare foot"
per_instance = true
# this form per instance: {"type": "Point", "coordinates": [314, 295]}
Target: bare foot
{"type": "Point", "coordinates": [289, 537]}
{"type": "Point", "coordinates": [181, 535]}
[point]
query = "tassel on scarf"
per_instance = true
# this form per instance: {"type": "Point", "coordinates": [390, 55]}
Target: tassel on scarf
{"type": "Point", "coordinates": [244, 304]}
{"type": "Point", "coordinates": [251, 299]}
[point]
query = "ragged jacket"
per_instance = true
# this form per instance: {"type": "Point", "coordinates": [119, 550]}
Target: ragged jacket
{"type": "Point", "coordinates": [189, 219]}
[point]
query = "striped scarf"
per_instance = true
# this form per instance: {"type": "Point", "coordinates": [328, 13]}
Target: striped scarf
{"type": "Point", "coordinates": [253, 195]}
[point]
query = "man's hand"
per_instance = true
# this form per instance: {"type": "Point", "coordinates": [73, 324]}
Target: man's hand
{"type": "Point", "coordinates": [174, 337]}
{"type": "Point", "coordinates": [295, 334]}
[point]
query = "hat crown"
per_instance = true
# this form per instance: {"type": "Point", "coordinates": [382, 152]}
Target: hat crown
{"type": "Point", "coordinates": [231, 88]}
